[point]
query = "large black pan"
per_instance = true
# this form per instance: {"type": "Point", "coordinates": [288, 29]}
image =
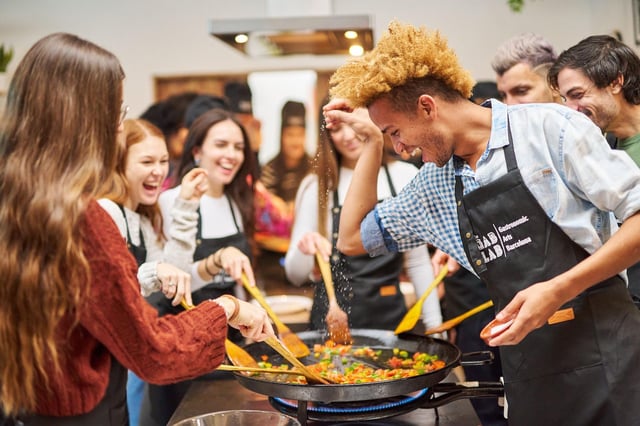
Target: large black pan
{"type": "Point", "coordinates": [376, 339]}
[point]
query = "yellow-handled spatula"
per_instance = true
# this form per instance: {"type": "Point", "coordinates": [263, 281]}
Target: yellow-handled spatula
{"type": "Point", "coordinates": [413, 314]}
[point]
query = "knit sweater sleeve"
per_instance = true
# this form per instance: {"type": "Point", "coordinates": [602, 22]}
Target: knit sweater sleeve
{"type": "Point", "coordinates": [158, 349]}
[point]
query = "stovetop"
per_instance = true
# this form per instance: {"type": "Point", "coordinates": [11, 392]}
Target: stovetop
{"type": "Point", "coordinates": [225, 393]}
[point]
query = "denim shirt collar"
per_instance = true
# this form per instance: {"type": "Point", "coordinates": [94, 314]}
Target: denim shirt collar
{"type": "Point", "coordinates": [499, 137]}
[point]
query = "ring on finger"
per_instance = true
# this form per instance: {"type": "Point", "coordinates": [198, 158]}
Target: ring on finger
{"type": "Point", "coordinates": [172, 284]}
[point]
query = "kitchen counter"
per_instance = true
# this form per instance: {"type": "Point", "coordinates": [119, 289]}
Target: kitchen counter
{"type": "Point", "coordinates": [227, 394]}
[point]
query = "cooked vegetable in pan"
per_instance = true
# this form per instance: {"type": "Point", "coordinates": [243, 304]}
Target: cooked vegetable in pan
{"type": "Point", "coordinates": [347, 364]}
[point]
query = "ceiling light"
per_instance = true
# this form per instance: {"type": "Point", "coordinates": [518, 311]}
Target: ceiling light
{"type": "Point", "coordinates": [351, 35]}
{"type": "Point", "coordinates": [241, 38]}
{"type": "Point", "coordinates": [356, 50]}
{"type": "Point", "coordinates": [316, 35]}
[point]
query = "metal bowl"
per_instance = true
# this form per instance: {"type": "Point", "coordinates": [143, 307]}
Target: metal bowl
{"type": "Point", "coordinates": [240, 417]}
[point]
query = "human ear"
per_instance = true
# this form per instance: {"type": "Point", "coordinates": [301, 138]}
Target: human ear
{"type": "Point", "coordinates": [616, 85]}
{"type": "Point", "coordinates": [426, 105]}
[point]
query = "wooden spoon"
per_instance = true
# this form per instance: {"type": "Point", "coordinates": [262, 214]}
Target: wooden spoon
{"type": "Point", "coordinates": [312, 377]}
{"type": "Point", "coordinates": [449, 324]}
{"type": "Point", "coordinates": [288, 337]}
{"type": "Point", "coordinates": [227, 367]}
{"type": "Point", "coordinates": [337, 319]}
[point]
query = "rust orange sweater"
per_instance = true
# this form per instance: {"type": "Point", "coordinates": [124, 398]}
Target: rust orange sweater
{"type": "Point", "coordinates": [116, 320]}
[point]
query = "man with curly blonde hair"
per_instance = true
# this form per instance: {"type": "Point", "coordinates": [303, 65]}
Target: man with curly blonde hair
{"type": "Point", "coordinates": [511, 194]}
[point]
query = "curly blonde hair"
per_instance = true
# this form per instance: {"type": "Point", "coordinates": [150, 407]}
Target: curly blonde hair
{"type": "Point", "coordinates": [404, 53]}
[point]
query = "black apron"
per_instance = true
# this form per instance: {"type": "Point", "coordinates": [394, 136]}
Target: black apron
{"type": "Point", "coordinates": [580, 371]}
{"type": "Point", "coordinates": [223, 284]}
{"type": "Point", "coordinates": [162, 402]}
{"type": "Point", "coordinates": [110, 411]}
{"type": "Point", "coordinates": [364, 284]}
{"type": "Point", "coordinates": [139, 252]}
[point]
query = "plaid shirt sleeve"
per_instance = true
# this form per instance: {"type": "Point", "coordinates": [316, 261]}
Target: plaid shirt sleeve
{"type": "Point", "coordinates": [423, 212]}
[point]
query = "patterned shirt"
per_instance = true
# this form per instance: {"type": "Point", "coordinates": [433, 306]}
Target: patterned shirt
{"type": "Point", "coordinates": [565, 162]}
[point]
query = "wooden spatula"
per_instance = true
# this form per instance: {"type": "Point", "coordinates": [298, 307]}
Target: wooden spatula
{"type": "Point", "coordinates": [227, 367]}
{"type": "Point", "coordinates": [235, 353]}
{"type": "Point", "coordinates": [448, 325]}
{"type": "Point", "coordinates": [312, 377]}
{"type": "Point", "coordinates": [413, 315]}
{"type": "Point", "coordinates": [288, 337]}
{"type": "Point", "coordinates": [337, 319]}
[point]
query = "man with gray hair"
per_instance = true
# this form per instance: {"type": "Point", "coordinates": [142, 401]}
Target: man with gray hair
{"type": "Point", "coordinates": [521, 65]}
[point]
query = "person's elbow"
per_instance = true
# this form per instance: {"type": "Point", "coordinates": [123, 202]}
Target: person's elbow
{"type": "Point", "coordinates": [350, 244]}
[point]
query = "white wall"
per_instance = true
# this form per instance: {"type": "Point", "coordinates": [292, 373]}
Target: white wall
{"type": "Point", "coordinates": [165, 37]}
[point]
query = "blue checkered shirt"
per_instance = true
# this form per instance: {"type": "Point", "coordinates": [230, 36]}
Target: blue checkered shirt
{"type": "Point", "coordinates": [582, 185]}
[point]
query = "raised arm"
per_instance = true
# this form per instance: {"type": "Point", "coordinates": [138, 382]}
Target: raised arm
{"type": "Point", "coordinates": [362, 195]}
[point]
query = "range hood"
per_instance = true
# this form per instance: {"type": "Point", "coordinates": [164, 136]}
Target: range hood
{"type": "Point", "coordinates": [313, 35]}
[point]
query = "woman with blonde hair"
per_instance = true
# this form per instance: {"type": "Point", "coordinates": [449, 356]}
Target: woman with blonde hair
{"type": "Point", "coordinates": [73, 318]}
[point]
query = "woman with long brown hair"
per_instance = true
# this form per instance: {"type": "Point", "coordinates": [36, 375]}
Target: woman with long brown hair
{"type": "Point", "coordinates": [72, 315]}
{"type": "Point", "coordinates": [367, 288]}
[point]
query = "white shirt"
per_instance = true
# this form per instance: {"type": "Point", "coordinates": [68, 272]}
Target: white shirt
{"type": "Point", "coordinates": [217, 222]}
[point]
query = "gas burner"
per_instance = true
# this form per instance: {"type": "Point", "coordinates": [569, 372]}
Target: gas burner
{"type": "Point", "coordinates": [350, 411]}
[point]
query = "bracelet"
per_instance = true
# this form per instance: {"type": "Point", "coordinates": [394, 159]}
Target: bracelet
{"type": "Point", "coordinates": [236, 307]}
{"type": "Point", "coordinates": [218, 262]}
{"type": "Point", "coordinates": [206, 268]}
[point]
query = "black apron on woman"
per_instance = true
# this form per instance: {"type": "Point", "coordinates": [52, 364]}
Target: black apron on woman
{"type": "Point", "coordinates": [163, 400]}
{"type": "Point", "coordinates": [367, 288]}
{"type": "Point", "coordinates": [582, 369]}
{"type": "Point", "coordinates": [222, 284]}
{"type": "Point", "coordinates": [139, 251]}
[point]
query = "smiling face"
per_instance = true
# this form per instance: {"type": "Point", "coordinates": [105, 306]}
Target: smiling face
{"type": "Point", "coordinates": [409, 132]}
{"type": "Point", "coordinates": [522, 85]}
{"type": "Point", "coordinates": [346, 144]}
{"type": "Point", "coordinates": [221, 154]}
{"type": "Point", "coordinates": [581, 94]}
{"type": "Point", "coordinates": [146, 168]}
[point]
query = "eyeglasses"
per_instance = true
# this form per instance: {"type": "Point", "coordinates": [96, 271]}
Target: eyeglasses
{"type": "Point", "coordinates": [123, 113]}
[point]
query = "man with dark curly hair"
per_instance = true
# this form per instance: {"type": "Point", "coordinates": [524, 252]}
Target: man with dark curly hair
{"type": "Point", "coordinates": [511, 194]}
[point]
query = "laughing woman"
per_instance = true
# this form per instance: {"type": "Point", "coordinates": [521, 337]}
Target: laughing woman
{"type": "Point", "coordinates": [131, 199]}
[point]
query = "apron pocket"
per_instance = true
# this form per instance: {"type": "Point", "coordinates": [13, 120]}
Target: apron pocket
{"type": "Point", "coordinates": [552, 349]}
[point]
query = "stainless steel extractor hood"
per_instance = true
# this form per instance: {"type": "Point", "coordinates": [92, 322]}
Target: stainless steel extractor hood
{"type": "Point", "coordinates": [314, 35]}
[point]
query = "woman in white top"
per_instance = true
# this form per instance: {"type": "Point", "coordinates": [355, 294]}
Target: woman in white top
{"type": "Point", "coordinates": [366, 288]}
{"type": "Point", "coordinates": [218, 143]}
